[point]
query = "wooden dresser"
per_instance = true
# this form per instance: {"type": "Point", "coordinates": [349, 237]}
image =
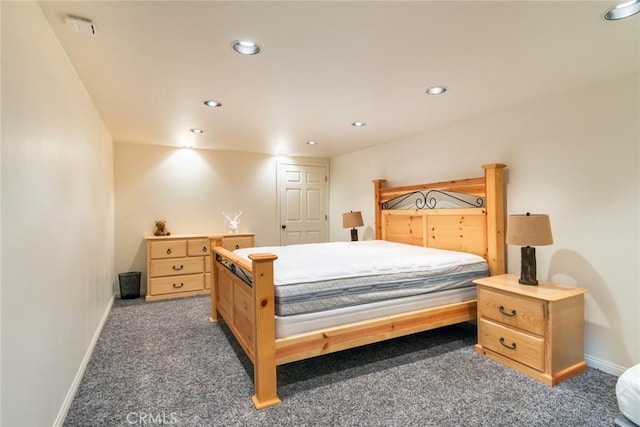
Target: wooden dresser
{"type": "Point", "coordinates": [536, 330]}
{"type": "Point", "coordinates": [180, 265]}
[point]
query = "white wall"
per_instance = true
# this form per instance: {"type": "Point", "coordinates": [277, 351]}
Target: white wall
{"type": "Point", "coordinates": [190, 189]}
{"type": "Point", "coordinates": [575, 157]}
{"type": "Point", "coordinates": [57, 221]}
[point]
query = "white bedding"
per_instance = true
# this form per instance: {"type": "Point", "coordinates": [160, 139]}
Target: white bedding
{"type": "Point", "coordinates": [628, 393]}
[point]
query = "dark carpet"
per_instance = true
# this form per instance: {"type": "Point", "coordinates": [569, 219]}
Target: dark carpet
{"type": "Point", "coordinates": [163, 363]}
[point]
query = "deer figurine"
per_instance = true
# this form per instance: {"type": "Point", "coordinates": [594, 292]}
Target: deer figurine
{"type": "Point", "coordinates": [232, 224]}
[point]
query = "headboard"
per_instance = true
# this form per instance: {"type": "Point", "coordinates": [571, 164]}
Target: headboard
{"type": "Point", "coordinates": [479, 230]}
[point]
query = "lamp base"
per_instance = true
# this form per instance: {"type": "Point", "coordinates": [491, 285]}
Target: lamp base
{"type": "Point", "coordinates": [354, 235]}
{"type": "Point", "coordinates": [528, 266]}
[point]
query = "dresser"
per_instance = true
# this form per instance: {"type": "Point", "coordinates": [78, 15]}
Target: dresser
{"type": "Point", "coordinates": [536, 330]}
{"type": "Point", "coordinates": [180, 265]}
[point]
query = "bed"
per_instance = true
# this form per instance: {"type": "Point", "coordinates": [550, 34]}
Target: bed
{"type": "Point", "coordinates": [311, 303]}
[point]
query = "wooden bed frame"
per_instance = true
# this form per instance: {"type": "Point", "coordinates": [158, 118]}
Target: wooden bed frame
{"type": "Point", "coordinates": [249, 310]}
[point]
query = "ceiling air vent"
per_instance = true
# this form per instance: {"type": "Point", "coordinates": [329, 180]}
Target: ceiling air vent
{"type": "Point", "coordinates": [80, 25]}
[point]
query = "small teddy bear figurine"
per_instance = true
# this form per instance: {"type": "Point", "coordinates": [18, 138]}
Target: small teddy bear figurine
{"type": "Point", "coordinates": [161, 229]}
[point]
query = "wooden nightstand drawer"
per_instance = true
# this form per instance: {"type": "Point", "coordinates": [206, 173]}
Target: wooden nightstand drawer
{"type": "Point", "coordinates": [513, 310]}
{"type": "Point", "coordinates": [176, 266]}
{"type": "Point", "coordinates": [197, 247]}
{"type": "Point", "coordinates": [168, 249]}
{"type": "Point", "coordinates": [519, 346]}
{"type": "Point", "coordinates": [170, 285]}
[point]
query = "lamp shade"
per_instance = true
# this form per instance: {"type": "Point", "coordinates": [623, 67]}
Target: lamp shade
{"type": "Point", "coordinates": [529, 230]}
{"type": "Point", "coordinates": [352, 220]}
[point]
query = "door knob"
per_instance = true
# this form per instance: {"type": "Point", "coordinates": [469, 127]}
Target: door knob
{"type": "Point", "coordinates": [284, 226]}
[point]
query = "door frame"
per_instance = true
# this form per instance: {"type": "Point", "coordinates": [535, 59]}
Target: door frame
{"type": "Point", "coordinates": [300, 161]}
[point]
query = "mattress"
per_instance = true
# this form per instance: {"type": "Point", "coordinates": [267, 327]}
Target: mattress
{"type": "Point", "coordinates": [287, 326]}
{"type": "Point", "coordinates": [316, 277]}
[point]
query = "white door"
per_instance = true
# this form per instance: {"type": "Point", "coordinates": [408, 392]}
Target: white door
{"type": "Point", "coordinates": [303, 204]}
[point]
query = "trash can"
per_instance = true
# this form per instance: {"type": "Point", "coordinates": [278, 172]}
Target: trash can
{"type": "Point", "coordinates": [129, 284]}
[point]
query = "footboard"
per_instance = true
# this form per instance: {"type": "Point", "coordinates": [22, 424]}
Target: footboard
{"type": "Point", "coordinates": [249, 313]}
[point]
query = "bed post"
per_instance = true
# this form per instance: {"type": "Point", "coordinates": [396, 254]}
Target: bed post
{"type": "Point", "coordinates": [264, 335]}
{"type": "Point", "coordinates": [378, 184]}
{"type": "Point", "coordinates": [494, 196]}
{"type": "Point", "coordinates": [213, 242]}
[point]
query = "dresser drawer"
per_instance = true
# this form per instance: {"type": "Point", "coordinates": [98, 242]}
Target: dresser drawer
{"type": "Point", "coordinates": [198, 247]}
{"type": "Point", "coordinates": [176, 266]}
{"type": "Point", "coordinates": [519, 346]}
{"type": "Point", "coordinates": [513, 310]}
{"type": "Point", "coordinates": [237, 242]}
{"type": "Point", "coordinates": [168, 249]}
{"type": "Point", "coordinates": [170, 285]}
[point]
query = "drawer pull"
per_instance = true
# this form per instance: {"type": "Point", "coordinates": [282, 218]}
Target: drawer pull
{"type": "Point", "coordinates": [511, 347]}
{"type": "Point", "coordinates": [501, 308]}
{"type": "Point", "coordinates": [169, 251]}
{"type": "Point", "coordinates": [175, 285]}
{"type": "Point", "coordinates": [237, 246]}
{"type": "Point", "coordinates": [178, 267]}
{"type": "Point", "coordinates": [204, 249]}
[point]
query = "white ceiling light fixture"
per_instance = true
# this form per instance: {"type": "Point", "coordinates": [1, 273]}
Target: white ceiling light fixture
{"type": "Point", "coordinates": [312, 142]}
{"type": "Point", "coordinates": [196, 130]}
{"type": "Point", "coordinates": [359, 124]}
{"type": "Point", "coordinates": [436, 90]}
{"type": "Point", "coordinates": [623, 10]}
{"type": "Point", "coordinates": [212, 103]}
{"type": "Point", "coordinates": [245, 47]}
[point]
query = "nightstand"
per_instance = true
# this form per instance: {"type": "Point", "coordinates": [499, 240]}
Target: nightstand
{"type": "Point", "coordinates": [536, 330]}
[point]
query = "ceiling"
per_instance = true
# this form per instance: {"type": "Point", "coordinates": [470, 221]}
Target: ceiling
{"type": "Point", "coordinates": [151, 64]}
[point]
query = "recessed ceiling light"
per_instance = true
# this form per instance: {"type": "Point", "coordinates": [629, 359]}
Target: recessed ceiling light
{"type": "Point", "coordinates": [436, 90]}
{"type": "Point", "coordinates": [196, 130]}
{"type": "Point", "coordinates": [245, 47]}
{"type": "Point", "coordinates": [623, 10]}
{"type": "Point", "coordinates": [212, 103]}
{"type": "Point", "coordinates": [358, 124]}
{"type": "Point", "coordinates": [311, 142]}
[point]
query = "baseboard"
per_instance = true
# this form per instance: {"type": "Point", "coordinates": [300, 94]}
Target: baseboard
{"type": "Point", "coordinates": [83, 366]}
{"type": "Point", "coordinates": [603, 365]}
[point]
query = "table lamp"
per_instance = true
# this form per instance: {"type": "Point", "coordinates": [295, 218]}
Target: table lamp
{"type": "Point", "coordinates": [528, 230]}
{"type": "Point", "coordinates": [352, 220]}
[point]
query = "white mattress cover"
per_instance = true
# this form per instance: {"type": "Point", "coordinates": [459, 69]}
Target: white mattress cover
{"type": "Point", "coordinates": [314, 262]}
{"type": "Point", "coordinates": [287, 326]}
{"type": "Point", "coordinates": [628, 393]}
